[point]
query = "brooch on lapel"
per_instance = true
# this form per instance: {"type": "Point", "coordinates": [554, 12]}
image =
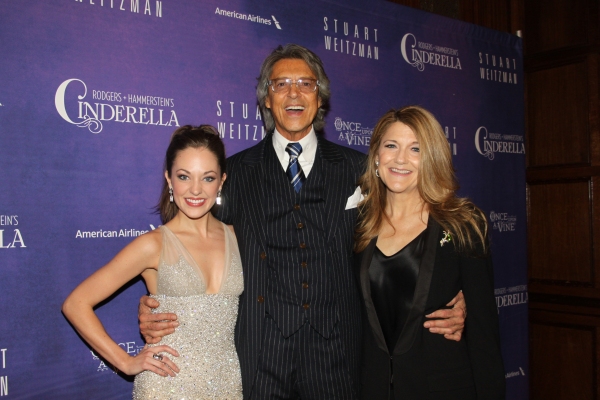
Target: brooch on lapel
{"type": "Point", "coordinates": [446, 239]}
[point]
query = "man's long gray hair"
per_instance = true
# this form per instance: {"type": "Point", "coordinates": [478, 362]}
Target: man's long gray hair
{"type": "Point", "coordinates": [298, 52]}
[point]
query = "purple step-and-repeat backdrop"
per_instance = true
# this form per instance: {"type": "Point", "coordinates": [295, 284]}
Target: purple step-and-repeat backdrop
{"type": "Point", "coordinates": [91, 90]}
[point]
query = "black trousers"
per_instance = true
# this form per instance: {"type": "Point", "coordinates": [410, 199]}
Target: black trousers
{"type": "Point", "coordinates": [303, 366]}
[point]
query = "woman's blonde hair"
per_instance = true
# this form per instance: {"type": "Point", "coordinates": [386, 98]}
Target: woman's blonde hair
{"type": "Point", "coordinates": [436, 183]}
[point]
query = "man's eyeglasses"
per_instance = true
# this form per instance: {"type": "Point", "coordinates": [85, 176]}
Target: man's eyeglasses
{"type": "Point", "coordinates": [283, 85]}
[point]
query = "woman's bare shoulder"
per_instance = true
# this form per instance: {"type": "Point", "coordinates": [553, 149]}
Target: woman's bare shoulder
{"type": "Point", "coordinates": [150, 243]}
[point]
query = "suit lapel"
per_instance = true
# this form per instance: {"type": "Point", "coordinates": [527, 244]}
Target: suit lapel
{"type": "Point", "coordinates": [413, 322]}
{"type": "Point", "coordinates": [333, 193]}
{"type": "Point", "coordinates": [365, 284]}
{"type": "Point", "coordinates": [254, 173]}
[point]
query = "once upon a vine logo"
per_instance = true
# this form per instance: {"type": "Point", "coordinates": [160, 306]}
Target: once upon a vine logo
{"type": "Point", "coordinates": [353, 132]}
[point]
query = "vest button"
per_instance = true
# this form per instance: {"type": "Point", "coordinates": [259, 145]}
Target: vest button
{"type": "Point", "coordinates": [296, 207]}
{"type": "Point", "coordinates": [260, 299]}
{"type": "Point", "coordinates": [263, 255]}
{"type": "Point", "coordinates": [300, 225]}
{"type": "Point", "coordinates": [304, 264]}
{"type": "Point", "coordinates": [302, 245]}
{"type": "Point", "coordinates": [305, 306]}
{"type": "Point", "coordinates": [304, 285]}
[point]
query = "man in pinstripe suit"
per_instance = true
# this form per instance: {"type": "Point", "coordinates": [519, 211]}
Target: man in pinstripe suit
{"type": "Point", "coordinates": [294, 210]}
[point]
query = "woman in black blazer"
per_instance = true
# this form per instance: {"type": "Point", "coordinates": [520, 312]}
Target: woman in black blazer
{"type": "Point", "coordinates": [418, 244]}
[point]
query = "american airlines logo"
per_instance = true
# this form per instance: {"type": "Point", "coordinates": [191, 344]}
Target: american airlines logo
{"type": "Point", "coordinates": [276, 22]}
{"type": "Point", "coordinates": [248, 17]}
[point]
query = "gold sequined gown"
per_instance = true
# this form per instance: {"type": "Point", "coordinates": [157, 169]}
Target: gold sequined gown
{"type": "Point", "coordinates": [208, 362]}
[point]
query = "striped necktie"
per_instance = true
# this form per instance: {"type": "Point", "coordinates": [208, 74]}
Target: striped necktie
{"type": "Point", "coordinates": [294, 170]}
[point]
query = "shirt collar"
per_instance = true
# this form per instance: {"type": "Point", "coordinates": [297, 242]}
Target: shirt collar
{"type": "Point", "coordinates": [308, 143]}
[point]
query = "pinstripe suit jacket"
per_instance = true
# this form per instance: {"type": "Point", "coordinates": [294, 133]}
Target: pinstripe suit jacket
{"type": "Point", "coordinates": [243, 207]}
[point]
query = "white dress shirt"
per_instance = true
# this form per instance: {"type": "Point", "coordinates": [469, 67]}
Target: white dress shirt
{"type": "Point", "coordinates": [306, 158]}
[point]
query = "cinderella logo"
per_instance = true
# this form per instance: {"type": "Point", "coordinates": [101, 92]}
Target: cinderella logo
{"type": "Point", "coordinates": [91, 115]}
{"type": "Point", "coordinates": [487, 143]}
{"type": "Point", "coordinates": [486, 152]}
{"type": "Point", "coordinates": [409, 37]}
{"type": "Point", "coordinates": [93, 124]}
{"type": "Point", "coordinates": [418, 54]}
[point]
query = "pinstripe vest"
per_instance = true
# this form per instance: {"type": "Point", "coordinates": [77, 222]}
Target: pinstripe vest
{"type": "Point", "coordinates": [299, 261]}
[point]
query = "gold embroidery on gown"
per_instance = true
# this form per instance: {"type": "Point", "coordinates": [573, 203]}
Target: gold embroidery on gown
{"type": "Point", "coordinates": [208, 362]}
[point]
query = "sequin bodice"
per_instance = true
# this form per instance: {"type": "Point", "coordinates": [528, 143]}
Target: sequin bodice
{"type": "Point", "coordinates": [179, 275]}
{"type": "Point", "coordinates": [208, 362]}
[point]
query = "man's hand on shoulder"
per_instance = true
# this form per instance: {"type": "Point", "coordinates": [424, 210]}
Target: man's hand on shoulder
{"type": "Point", "coordinates": [154, 326]}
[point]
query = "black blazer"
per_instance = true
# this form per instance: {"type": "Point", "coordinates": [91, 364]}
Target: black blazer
{"type": "Point", "coordinates": [243, 207]}
{"type": "Point", "coordinates": [425, 365]}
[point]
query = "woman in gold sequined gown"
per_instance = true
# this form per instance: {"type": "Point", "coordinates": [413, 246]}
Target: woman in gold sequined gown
{"type": "Point", "coordinates": [192, 265]}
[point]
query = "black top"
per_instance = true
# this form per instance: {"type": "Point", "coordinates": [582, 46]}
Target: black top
{"type": "Point", "coordinates": [393, 280]}
{"type": "Point", "coordinates": [425, 365]}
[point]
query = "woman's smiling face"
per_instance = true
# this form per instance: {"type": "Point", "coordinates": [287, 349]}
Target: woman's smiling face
{"type": "Point", "coordinates": [196, 179]}
{"type": "Point", "coordinates": [399, 159]}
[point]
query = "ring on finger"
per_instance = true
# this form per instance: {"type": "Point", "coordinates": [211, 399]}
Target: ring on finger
{"type": "Point", "coordinates": [158, 357]}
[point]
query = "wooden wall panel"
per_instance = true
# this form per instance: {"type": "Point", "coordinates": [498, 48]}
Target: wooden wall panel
{"type": "Point", "coordinates": [555, 24]}
{"type": "Point", "coordinates": [448, 8]}
{"type": "Point", "coordinates": [559, 233]}
{"type": "Point", "coordinates": [595, 222]}
{"type": "Point", "coordinates": [558, 116]}
{"type": "Point", "coordinates": [561, 42]}
{"type": "Point", "coordinates": [562, 362]}
{"type": "Point", "coordinates": [492, 14]}
{"type": "Point", "coordinates": [594, 102]}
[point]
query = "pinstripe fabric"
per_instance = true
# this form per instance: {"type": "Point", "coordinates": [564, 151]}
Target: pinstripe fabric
{"type": "Point", "coordinates": [302, 366]}
{"type": "Point", "coordinates": [299, 268]}
{"type": "Point", "coordinates": [245, 203]}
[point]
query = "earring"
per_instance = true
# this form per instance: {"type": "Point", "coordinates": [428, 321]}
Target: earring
{"type": "Point", "coordinates": [171, 194]}
{"type": "Point", "coordinates": [218, 198]}
{"type": "Point", "coordinates": [377, 170]}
